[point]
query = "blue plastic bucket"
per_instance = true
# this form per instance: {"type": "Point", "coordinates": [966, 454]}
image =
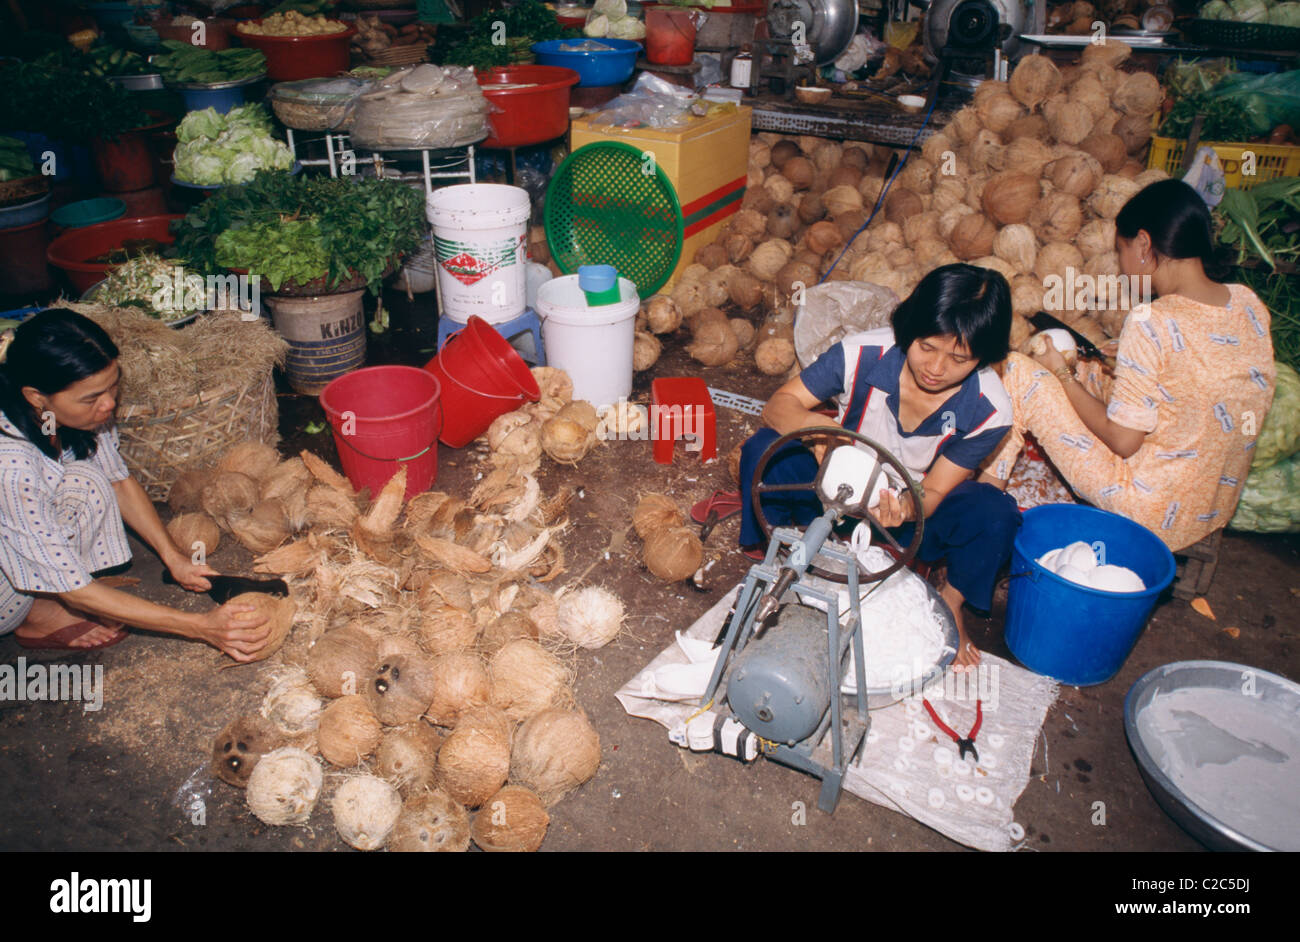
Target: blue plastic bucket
{"type": "Point", "coordinates": [1073, 633]}
{"type": "Point", "coordinates": [222, 99]}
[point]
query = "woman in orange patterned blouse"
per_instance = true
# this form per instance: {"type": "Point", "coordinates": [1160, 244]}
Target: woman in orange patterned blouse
{"type": "Point", "coordinates": [1194, 378]}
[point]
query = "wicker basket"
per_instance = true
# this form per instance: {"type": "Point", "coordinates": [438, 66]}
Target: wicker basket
{"type": "Point", "coordinates": [395, 56]}
{"type": "Point", "coordinates": [1264, 36]}
{"type": "Point", "coordinates": [13, 192]}
{"type": "Point", "coordinates": [158, 446]}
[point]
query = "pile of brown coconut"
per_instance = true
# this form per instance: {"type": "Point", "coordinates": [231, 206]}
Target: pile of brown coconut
{"type": "Point", "coordinates": [429, 670]}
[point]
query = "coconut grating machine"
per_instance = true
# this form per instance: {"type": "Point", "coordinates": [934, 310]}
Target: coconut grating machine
{"type": "Point", "coordinates": [778, 684]}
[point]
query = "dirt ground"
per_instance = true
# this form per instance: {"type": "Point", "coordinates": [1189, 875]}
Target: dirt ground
{"type": "Point", "coordinates": [126, 777]}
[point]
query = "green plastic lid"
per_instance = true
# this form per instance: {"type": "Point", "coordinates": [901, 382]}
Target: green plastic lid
{"type": "Point", "coordinates": [88, 212]}
{"type": "Point", "coordinates": [610, 203]}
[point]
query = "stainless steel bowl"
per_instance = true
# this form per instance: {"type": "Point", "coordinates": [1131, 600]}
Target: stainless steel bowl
{"type": "Point", "coordinates": [1272, 690]}
{"type": "Point", "coordinates": [138, 83]}
{"type": "Point", "coordinates": [216, 86]}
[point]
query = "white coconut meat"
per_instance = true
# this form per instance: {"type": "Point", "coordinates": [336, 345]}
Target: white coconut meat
{"type": "Point", "coordinates": [590, 617]}
{"type": "Point", "coordinates": [365, 810]}
{"type": "Point", "coordinates": [284, 787]}
{"type": "Point", "coordinates": [292, 704]}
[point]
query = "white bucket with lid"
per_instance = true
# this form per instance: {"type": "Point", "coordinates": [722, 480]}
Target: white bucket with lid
{"type": "Point", "coordinates": [592, 344]}
{"type": "Point", "coordinates": [480, 232]}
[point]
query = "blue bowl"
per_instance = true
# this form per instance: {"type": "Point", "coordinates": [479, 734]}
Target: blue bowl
{"type": "Point", "coordinates": [24, 214]}
{"type": "Point", "coordinates": [596, 68]}
{"type": "Point", "coordinates": [222, 96]}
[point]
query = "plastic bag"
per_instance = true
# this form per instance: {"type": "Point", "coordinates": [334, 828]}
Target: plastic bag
{"type": "Point", "coordinates": [1270, 500]}
{"type": "Point", "coordinates": [652, 102]}
{"type": "Point", "coordinates": [425, 107]}
{"type": "Point", "coordinates": [833, 310]}
{"type": "Point", "coordinates": [1279, 436]}
{"type": "Point", "coordinates": [1265, 100]}
{"type": "Point", "coordinates": [317, 104]}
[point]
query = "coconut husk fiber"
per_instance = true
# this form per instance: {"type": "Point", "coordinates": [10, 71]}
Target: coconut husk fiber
{"type": "Point", "coordinates": [162, 366]}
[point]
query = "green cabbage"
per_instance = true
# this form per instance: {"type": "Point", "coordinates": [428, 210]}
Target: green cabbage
{"type": "Point", "coordinates": [1279, 436]}
{"type": "Point", "coordinates": [614, 9]}
{"type": "Point", "coordinates": [597, 27]}
{"type": "Point", "coordinates": [1249, 11]}
{"type": "Point", "coordinates": [231, 148]}
{"type": "Point", "coordinates": [1216, 10]}
{"type": "Point", "coordinates": [627, 28]}
{"type": "Point", "coordinates": [1270, 501]}
{"type": "Point", "coordinates": [200, 125]}
{"type": "Point", "coordinates": [1285, 14]}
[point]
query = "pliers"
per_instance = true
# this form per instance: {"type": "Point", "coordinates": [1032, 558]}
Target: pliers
{"type": "Point", "coordinates": [963, 745]}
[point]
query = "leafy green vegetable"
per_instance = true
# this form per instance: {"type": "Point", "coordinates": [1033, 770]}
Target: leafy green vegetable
{"type": "Point", "coordinates": [1216, 10]}
{"type": "Point", "coordinates": [231, 148]}
{"type": "Point", "coordinates": [363, 225]}
{"type": "Point", "coordinates": [1263, 221]}
{"type": "Point", "coordinates": [185, 63]}
{"type": "Point", "coordinates": [279, 251]}
{"type": "Point", "coordinates": [478, 44]}
{"type": "Point", "coordinates": [64, 103]}
{"type": "Point", "coordinates": [1249, 11]}
{"type": "Point", "coordinates": [15, 162]}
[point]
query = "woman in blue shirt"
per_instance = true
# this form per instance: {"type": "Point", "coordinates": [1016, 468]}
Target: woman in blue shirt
{"type": "Point", "coordinates": [924, 391]}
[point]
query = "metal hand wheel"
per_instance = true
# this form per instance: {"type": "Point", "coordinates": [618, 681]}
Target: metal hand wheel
{"type": "Point", "coordinates": [903, 555]}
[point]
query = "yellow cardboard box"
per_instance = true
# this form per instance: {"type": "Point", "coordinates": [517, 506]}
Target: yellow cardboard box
{"type": "Point", "coordinates": [706, 162]}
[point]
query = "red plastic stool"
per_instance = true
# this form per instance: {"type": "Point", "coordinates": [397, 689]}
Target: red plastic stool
{"type": "Point", "coordinates": [680, 405]}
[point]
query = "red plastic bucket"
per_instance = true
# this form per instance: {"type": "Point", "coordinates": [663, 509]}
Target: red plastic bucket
{"type": "Point", "coordinates": [384, 417]}
{"type": "Point", "coordinates": [23, 268]}
{"type": "Point", "coordinates": [482, 377]}
{"type": "Point", "coordinates": [669, 36]}
{"type": "Point", "coordinates": [289, 58]}
{"type": "Point", "coordinates": [536, 112]}
{"type": "Point", "coordinates": [127, 162]}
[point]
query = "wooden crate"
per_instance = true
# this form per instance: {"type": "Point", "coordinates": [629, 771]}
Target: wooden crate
{"type": "Point", "coordinates": [706, 162]}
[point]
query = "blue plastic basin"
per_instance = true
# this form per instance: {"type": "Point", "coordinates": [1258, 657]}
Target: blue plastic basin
{"type": "Point", "coordinates": [11, 217]}
{"type": "Point", "coordinates": [595, 68]}
{"type": "Point", "coordinates": [1077, 634]}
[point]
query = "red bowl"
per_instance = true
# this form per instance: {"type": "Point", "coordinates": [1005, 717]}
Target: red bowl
{"type": "Point", "coordinates": [529, 115]}
{"type": "Point", "coordinates": [71, 251]}
{"type": "Point", "coordinates": [289, 58]}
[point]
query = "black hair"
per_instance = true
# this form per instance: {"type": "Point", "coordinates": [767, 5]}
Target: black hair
{"type": "Point", "coordinates": [1176, 218]}
{"type": "Point", "coordinates": [51, 351]}
{"type": "Point", "coordinates": [964, 301]}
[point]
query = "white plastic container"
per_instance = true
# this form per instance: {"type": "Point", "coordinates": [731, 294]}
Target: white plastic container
{"type": "Point", "coordinates": [592, 344]}
{"type": "Point", "coordinates": [479, 239]}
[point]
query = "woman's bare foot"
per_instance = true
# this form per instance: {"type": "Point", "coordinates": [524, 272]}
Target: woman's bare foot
{"type": "Point", "coordinates": [968, 656]}
{"type": "Point", "coordinates": [48, 616]}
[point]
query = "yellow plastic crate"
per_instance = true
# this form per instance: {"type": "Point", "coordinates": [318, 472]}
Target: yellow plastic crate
{"type": "Point", "coordinates": [1271, 160]}
{"type": "Point", "coordinates": [707, 162]}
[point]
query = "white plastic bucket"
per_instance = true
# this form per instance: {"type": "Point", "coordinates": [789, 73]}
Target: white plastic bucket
{"type": "Point", "coordinates": [592, 344]}
{"type": "Point", "coordinates": [479, 236]}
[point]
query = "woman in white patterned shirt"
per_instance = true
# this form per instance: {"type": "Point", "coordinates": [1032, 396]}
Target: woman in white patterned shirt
{"type": "Point", "coordinates": [64, 497]}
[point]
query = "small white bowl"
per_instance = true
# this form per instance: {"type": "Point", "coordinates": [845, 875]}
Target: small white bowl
{"type": "Point", "coordinates": [912, 104]}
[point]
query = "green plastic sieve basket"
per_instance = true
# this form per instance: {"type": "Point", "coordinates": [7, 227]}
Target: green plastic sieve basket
{"type": "Point", "coordinates": [610, 203]}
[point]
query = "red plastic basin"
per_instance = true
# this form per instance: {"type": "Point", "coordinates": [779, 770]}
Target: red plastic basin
{"type": "Point", "coordinates": [289, 58]}
{"type": "Point", "coordinates": [539, 112]}
{"type": "Point", "coordinates": [70, 251]}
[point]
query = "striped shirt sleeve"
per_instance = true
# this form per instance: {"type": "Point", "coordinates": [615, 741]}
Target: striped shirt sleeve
{"type": "Point", "coordinates": [36, 554]}
{"type": "Point", "coordinates": [108, 455]}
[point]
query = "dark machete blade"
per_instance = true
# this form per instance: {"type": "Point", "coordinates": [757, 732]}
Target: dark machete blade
{"type": "Point", "coordinates": [1044, 321]}
{"type": "Point", "coordinates": [225, 588]}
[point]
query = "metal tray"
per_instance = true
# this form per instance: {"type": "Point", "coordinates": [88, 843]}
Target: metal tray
{"type": "Point", "coordinates": [1199, 822]}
